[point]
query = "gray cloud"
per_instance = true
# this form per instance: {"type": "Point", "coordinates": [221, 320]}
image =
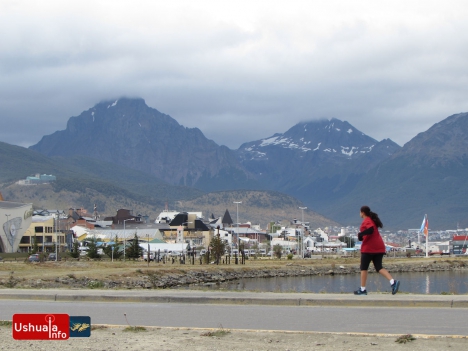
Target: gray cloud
{"type": "Point", "coordinates": [238, 73]}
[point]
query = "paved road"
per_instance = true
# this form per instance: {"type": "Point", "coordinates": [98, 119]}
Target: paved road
{"type": "Point", "coordinates": [438, 321]}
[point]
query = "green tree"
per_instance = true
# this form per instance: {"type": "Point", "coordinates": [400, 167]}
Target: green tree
{"type": "Point", "coordinates": [115, 246]}
{"type": "Point", "coordinates": [256, 249]}
{"type": "Point", "coordinates": [93, 249]}
{"type": "Point", "coordinates": [75, 253]}
{"type": "Point", "coordinates": [242, 249]}
{"type": "Point", "coordinates": [278, 250]}
{"type": "Point", "coordinates": [134, 250]}
{"type": "Point", "coordinates": [347, 240]}
{"type": "Point", "coordinates": [35, 246]}
{"type": "Point", "coordinates": [217, 247]}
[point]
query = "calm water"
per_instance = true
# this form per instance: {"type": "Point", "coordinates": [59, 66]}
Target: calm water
{"type": "Point", "coordinates": [416, 283]}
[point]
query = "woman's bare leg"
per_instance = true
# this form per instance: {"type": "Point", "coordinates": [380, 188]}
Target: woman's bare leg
{"type": "Point", "coordinates": [363, 278]}
{"type": "Point", "coordinates": [385, 273]}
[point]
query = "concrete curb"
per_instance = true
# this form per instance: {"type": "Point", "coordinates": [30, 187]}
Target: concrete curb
{"type": "Point", "coordinates": [240, 298]}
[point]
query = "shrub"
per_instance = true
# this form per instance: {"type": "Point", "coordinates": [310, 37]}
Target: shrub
{"type": "Point", "coordinates": [135, 329]}
{"type": "Point", "coordinates": [278, 250]}
{"type": "Point", "coordinates": [95, 284]}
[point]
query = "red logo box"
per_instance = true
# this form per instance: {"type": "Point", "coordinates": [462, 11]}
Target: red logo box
{"type": "Point", "coordinates": [41, 326]}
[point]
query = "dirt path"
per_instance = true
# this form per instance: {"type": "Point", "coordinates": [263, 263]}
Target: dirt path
{"type": "Point", "coordinates": [115, 338]}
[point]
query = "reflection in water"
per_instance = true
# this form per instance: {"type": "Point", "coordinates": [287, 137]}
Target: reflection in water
{"type": "Point", "coordinates": [417, 283]}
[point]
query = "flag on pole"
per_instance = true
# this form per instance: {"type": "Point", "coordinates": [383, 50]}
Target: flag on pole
{"type": "Point", "coordinates": [424, 226]}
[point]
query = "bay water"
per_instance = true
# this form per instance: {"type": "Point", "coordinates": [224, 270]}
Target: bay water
{"type": "Point", "coordinates": [451, 282]}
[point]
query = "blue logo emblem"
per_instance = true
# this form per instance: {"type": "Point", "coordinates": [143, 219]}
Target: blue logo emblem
{"type": "Point", "coordinates": [80, 326]}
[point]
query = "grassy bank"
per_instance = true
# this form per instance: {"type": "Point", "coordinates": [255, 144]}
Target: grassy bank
{"type": "Point", "coordinates": [105, 269]}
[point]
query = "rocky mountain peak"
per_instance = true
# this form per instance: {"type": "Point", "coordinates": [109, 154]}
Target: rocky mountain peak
{"type": "Point", "coordinates": [444, 142]}
{"type": "Point", "coordinates": [334, 137]}
{"type": "Point", "coordinates": [127, 132]}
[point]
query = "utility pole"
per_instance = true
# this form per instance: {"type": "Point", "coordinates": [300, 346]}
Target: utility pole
{"type": "Point", "coordinates": [302, 232]}
{"type": "Point", "coordinates": [238, 240]}
{"type": "Point", "coordinates": [125, 236]}
{"type": "Point", "coordinates": [148, 254]}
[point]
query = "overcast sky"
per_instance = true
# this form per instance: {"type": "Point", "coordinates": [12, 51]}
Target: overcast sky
{"type": "Point", "coordinates": [238, 70]}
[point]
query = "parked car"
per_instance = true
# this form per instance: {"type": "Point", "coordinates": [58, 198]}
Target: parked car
{"type": "Point", "coordinates": [151, 256]}
{"type": "Point", "coordinates": [52, 257]}
{"type": "Point", "coordinates": [83, 250]}
{"type": "Point", "coordinates": [438, 253]}
{"type": "Point", "coordinates": [34, 258]}
{"type": "Point", "coordinates": [262, 252]}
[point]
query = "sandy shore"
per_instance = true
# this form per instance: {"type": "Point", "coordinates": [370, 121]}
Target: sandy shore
{"type": "Point", "coordinates": [115, 338]}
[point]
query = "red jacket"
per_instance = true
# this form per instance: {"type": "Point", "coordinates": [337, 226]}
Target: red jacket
{"type": "Point", "coordinates": [371, 243]}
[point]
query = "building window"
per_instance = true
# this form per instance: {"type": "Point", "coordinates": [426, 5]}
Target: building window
{"type": "Point", "coordinates": [25, 240]}
{"type": "Point", "coordinates": [38, 229]}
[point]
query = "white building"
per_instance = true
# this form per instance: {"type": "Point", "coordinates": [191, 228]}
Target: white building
{"type": "Point", "coordinates": [167, 216]}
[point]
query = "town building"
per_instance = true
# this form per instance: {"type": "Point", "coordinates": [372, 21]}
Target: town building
{"type": "Point", "coordinates": [43, 233]}
{"type": "Point", "coordinates": [38, 179]}
{"type": "Point", "coordinates": [15, 219]}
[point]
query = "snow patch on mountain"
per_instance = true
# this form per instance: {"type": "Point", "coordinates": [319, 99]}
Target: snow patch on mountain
{"type": "Point", "coordinates": [283, 142]}
{"type": "Point", "coordinates": [348, 150]}
{"type": "Point", "coordinates": [114, 104]}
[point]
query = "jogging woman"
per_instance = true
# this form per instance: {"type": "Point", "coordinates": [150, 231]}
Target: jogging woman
{"type": "Point", "coordinates": [372, 250]}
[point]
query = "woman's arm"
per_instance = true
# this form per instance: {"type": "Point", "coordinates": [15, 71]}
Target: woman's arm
{"type": "Point", "coordinates": [368, 231]}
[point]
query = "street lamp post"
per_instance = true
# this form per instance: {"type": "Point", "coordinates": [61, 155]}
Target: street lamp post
{"type": "Point", "coordinates": [302, 233]}
{"type": "Point", "coordinates": [183, 237]}
{"type": "Point", "coordinates": [238, 239]}
{"type": "Point", "coordinates": [9, 229]}
{"type": "Point", "coordinates": [56, 248]}
{"type": "Point", "coordinates": [148, 254]}
{"type": "Point", "coordinates": [184, 223]}
{"type": "Point", "coordinates": [125, 235]}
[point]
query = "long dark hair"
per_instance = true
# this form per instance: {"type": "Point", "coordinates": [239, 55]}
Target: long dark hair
{"type": "Point", "coordinates": [374, 216]}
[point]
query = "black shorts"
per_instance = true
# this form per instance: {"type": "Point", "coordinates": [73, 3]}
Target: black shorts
{"type": "Point", "coordinates": [367, 258]}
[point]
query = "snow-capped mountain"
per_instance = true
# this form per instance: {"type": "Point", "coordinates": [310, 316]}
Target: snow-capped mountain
{"type": "Point", "coordinates": [324, 157]}
{"type": "Point", "coordinates": [426, 176]}
{"type": "Point", "coordinates": [333, 136]}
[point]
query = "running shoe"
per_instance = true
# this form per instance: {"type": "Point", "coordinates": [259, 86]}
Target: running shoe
{"type": "Point", "coordinates": [360, 292]}
{"type": "Point", "coordinates": [395, 287]}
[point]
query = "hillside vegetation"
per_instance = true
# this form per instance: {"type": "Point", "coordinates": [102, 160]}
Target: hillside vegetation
{"type": "Point", "coordinates": [45, 197]}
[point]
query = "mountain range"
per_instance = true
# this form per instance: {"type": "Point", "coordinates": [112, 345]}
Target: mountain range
{"type": "Point", "coordinates": [318, 162]}
{"type": "Point", "coordinates": [329, 165]}
{"type": "Point", "coordinates": [129, 133]}
{"type": "Point", "coordinates": [84, 182]}
{"type": "Point", "coordinates": [428, 175]}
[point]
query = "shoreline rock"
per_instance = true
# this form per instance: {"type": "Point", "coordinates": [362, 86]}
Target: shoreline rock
{"type": "Point", "coordinates": [161, 279]}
